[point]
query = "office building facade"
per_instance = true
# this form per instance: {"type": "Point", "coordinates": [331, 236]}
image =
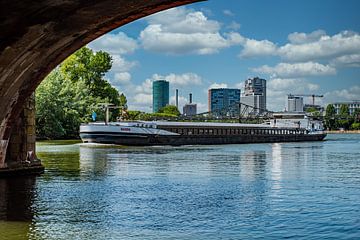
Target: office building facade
{"type": "Point", "coordinates": [295, 104]}
{"type": "Point", "coordinates": [352, 106]}
{"type": "Point", "coordinates": [160, 94]}
{"type": "Point", "coordinates": [224, 101]}
{"type": "Point", "coordinates": [255, 95]}
{"type": "Point", "coordinates": [190, 109]}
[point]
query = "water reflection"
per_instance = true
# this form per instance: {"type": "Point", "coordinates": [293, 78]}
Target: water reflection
{"type": "Point", "coordinates": [189, 192]}
{"type": "Point", "coordinates": [93, 161]}
{"type": "Point", "coordinates": [16, 207]}
{"type": "Point", "coordinates": [276, 166]}
{"type": "Point", "coordinates": [16, 198]}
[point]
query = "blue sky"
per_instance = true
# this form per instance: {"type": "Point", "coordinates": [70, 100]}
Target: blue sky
{"type": "Point", "coordinates": [298, 46]}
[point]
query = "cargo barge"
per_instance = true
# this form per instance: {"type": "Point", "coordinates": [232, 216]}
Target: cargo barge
{"type": "Point", "coordinates": [145, 133]}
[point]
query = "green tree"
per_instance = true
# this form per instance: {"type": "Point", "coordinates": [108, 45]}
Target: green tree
{"type": "Point", "coordinates": [356, 115]}
{"type": "Point", "coordinates": [330, 113]}
{"type": "Point", "coordinates": [68, 95]}
{"type": "Point", "coordinates": [123, 102]}
{"type": "Point", "coordinates": [344, 110]}
{"type": "Point", "coordinates": [355, 126]}
{"type": "Point", "coordinates": [85, 65]}
{"type": "Point", "coordinates": [311, 109]}
{"type": "Point", "coordinates": [170, 110]}
{"type": "Point", "coordinates": [344, 119]}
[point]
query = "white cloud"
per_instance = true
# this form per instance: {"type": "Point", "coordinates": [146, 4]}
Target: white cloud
{"type": "Point", "coordinates": [234, 26]}
{"type": "Point", "coordinates": [143, 98]}
{"type": "Point", "coordinates": [349, 94]}
{"type": "Point", "coordinates": [121, 78]}
{"type": "Point", "coordinates": [240, 85]}
{"type": "Point", "coordinates": [326, 47]}
{"type": "Point", "coordinates": [291, 85]}
{"type": "Point", "coordinates": [228, 13]}
{"type": "Point", "coordinates": [218, 85]}
{"type": "Point", "coordinates": [352, 60]}
{"type": "Point", "coordinates": [145, 87]}
{"type": "Point", "coordinates": [182, 20]}
{"type": "Point", "coordinates": [343, 47]}
{"type": "Point", "coordinates": [183, 31]}
{"type": "Point", "coordinates": [184, 79]}
{"type": "Point", "coordinates": [114, 44]}
{"type": "Point", "coordinates": [120, 64]}
{"type": "Point", "coordinates": [254, 48]}
{"type": "Point", "coordinates": [301, 38]}
{"type": "Point", "coordinates": [287, 70]}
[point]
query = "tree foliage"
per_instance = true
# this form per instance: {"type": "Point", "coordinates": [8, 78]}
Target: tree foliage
{"type": "Point", "coordinates": [330, 121]}
{"type": "Point", "coordinates": [170, 110]}
{"type": "Point", "coordinates": [70, 93]}
{"type": "Point", "coordinates": [342, 120]}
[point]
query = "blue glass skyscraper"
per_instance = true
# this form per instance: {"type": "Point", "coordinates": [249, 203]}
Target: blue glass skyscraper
{"type": "Point", "coordinates": [160, 94]}
{"type": "Point", "coordinates": [224, 101]}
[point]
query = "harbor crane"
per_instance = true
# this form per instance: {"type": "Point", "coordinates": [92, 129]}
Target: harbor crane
{"type": "Point", "coordinates": [306, 95]}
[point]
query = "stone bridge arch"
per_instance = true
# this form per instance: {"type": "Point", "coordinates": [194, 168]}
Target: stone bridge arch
{"type": "Point", "coordinates": [36, 36]}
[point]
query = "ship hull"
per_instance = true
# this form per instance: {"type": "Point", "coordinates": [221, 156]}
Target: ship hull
{"type": "Point", "coordinates": [176, 140]}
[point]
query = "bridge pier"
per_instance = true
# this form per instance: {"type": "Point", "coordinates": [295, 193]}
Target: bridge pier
{"type": "Point", "coordinates": [17, 154]}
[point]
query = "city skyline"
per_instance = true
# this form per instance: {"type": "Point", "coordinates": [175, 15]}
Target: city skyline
{"type": "Point", "coordinates": [302, 47]}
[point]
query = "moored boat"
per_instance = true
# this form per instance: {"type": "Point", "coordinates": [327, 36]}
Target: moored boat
{"type": "Point", "coordinates": [144, 133]}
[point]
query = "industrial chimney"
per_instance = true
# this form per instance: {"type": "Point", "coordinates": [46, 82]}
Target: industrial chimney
{"type": "Point", "coordinates": [190, 98]}
{"type": "Point", "coordinates": [177, 98]}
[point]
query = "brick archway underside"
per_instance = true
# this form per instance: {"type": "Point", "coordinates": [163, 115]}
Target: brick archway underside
{"type": "Point", "coordinates": [35, 36]}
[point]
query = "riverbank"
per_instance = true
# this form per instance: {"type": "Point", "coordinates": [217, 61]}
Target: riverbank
{"type": "Point", "coordinates": [344, 131]}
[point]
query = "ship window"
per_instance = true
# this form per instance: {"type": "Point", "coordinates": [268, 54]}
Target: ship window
{"type": "Point", "coordinates": [196, 131]}
{"type": "Point", "coordinates": [201, 131]}
{"type": "Point", "coordinates": [211, 131]}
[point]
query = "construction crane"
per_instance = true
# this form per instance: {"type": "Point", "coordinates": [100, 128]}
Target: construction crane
{"type": "Point", "coordinates": [306, 95]}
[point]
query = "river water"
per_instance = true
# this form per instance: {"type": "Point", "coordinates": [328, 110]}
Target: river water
{"type": "Point", "coordinates": [308, 190]}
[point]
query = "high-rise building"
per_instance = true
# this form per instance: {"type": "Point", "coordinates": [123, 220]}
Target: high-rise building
{"type": "Point", "coordinates": [255, 94]}
{"type": "Point", "coordinates": [224, 101]}
{"type": "Point", "coordinates": [160, 94]}
{"type": "Point", "coordinates": [295, 103]}
{"type": "Point", "coordinates": [190, 108]}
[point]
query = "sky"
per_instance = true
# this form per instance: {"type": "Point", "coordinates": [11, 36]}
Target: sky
{"type": "Point", "coordinates": [299, 47]}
